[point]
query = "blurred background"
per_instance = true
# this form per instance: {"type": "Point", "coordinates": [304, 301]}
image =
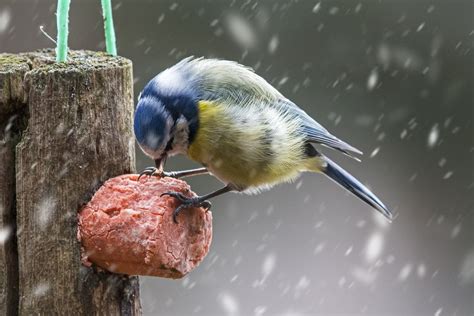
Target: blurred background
{"type": "Point", "coordinates": [393, 78]}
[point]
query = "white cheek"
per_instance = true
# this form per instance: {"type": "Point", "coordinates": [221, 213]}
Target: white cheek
{"type": "Point", "coordinates": [152, 139]}
{"type": "Point", "coordinates": [181, 136]}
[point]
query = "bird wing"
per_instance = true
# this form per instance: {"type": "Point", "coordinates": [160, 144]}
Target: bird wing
{"type": "Point", "coordinates": [232, 83]}
{"type": "Point", "coordinates": [316, 133]}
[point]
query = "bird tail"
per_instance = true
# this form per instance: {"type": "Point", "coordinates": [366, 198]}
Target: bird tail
{"type": "Point", "coordinates": [347, 181]}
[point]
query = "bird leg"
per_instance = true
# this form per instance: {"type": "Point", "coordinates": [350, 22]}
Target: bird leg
{"type": "Point", "coordinates": [185, 173]}
{"type": "Point", "coordinates": [198, 201]}
{"type": "Point", "coordinates": [151, 171]}
{"type": "Point", "coordinates": [159, 166]}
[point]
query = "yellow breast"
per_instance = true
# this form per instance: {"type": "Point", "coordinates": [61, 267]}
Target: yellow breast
{"type": "Point", "coordinates": [239, 147]}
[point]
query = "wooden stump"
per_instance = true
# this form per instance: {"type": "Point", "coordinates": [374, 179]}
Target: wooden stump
{"type": "Point", "coordinates": [78, 134]}
{"type": "Point", "coordinates": [12, 121]}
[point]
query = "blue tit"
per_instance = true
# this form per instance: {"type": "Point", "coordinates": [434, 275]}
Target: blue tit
{"type": "Point", "coordinates": [239, 127]}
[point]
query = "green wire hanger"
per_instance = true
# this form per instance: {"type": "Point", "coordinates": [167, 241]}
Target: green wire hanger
{"type": "Point", "coordinates": [62, 16]}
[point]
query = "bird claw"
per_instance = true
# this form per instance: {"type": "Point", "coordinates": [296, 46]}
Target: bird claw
{"type": "Point", "coordinates": [187, 202]}
{"type": "Point", "coordinates": [153, 171]}
{"type": "Point", "coordinates": [150, 171]}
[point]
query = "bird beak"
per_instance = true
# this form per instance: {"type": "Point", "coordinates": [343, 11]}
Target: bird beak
{"type": "Point", "coordinates": [160, 162]}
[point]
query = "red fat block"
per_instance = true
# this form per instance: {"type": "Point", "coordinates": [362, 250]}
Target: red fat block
{"type": "Point", "coordinates": [128, 228]}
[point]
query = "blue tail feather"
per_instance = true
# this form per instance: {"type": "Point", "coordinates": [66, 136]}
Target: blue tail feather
{"type": "Point", "coordinates": [343, 178]}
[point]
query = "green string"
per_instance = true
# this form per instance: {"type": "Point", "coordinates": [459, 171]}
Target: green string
{"type": "Point", "coordinates": [62, 20]}
{"type": "Point", "coordinates": [109, 28]}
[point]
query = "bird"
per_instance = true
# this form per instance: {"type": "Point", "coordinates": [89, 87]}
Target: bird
{"type": "Point", "coordinates": [240, 128]}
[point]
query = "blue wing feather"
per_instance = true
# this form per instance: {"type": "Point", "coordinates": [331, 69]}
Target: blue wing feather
{"type": "Point", "coordinates": [316, 133]}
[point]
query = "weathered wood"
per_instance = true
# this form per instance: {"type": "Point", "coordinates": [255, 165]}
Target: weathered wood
{"type": "Point", "coordinates": [8, 248]}
{"type": "Point", "coordinates": [12, 92]}
{"type": "Point", "coordinates": [78, 135]}
{"type": "Point", "coordinates": [12, 106]}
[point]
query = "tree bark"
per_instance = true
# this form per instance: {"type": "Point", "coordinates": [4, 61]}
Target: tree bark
{"type": "Point", "coordinates": [78, 135]}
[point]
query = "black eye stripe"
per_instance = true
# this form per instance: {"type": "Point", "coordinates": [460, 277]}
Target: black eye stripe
{"type": "Point", "coordinates": [169, 144]}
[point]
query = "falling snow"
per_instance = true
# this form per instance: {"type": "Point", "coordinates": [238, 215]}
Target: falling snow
{"type": "Point", "coordinates": [303, 283]}
{"type": "Point", "coordinates": [421, 271]}
{"type": "Point", "coordinates": [161, 18]}
{"type": "Point", "coordinates": [241, 30]}
{"type": "Point", "coordinates": [268, 265]}
{"type": "Point", "coordinates": [342, 281]}
{"type": "Point", "coordinates": [5, 18]}
{"type": "Point", "coordinates": [299, 184]}
{"type": "Point", "coordinates": [405, 272]}
{"type": "Point", "coordinates": [374, 247]}
{"type": "Point", "coordinates": [358, 7]}
{"type": "Point", "coordinates": [405, 58]}
{"type": "Point", "coordinates": [433, 136]}
{"type": "Point", "coordinates": [317, 7]}
{"type": "Point", "coordinates": [374, 152]}
{"type": "Point", "coordinates": [456, 230]}
{"type": "Point", "coordinates": [5, 233]}
{"type": "Point", "coordinates": [442, 162]}
{"type": "Point", "coordinates": [448, 175]}
{"type": "Point", "coordinates": [420, 27]}
{"type": "Point", "coordinates": [466, 273]}
{"type": "Point", "coordinates": [364, 276]}
{"type": "Point", "coordinates": [259, 310]}
{"type": "Point", "coordinates": [41, 289]}
{"type": "Point", "coordinates": [372, 80]}
{"type": "Point", "coordinates": [234, 278]}
{"type": "Point", "coordinates": [403, 134]}
{"type": "Point", "coordinates": [273, 44]}
{"type": "Point", "coordinates": [319, 248]}
{"type": "Point", "coordinates": [283, 81]}
{"type": "Point", "coordinates": [348, 251]}
{"type": "Point", "coordinates": [228, 303]}
{"type": "Point", "coordinates": [173, 6]}
{"type": "Point", "coordinates": [45, 211]}
{"type": "Point", "coordinates": [333, 10]}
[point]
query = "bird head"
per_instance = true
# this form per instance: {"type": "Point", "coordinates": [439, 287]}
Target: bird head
{"type": "Point", "coordinates": [166, 118]}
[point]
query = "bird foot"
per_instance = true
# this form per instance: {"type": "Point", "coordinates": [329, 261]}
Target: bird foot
{"type": "Point", "coordinates": [153, 171]}
{"type": "Point", "coordinates": [187, 202]}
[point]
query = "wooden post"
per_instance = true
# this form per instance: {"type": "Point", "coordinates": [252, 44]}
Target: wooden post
{"type": "Point", "coordinates": [78, 134]}
{"type": "Point", "coordinates": [12, 121]}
